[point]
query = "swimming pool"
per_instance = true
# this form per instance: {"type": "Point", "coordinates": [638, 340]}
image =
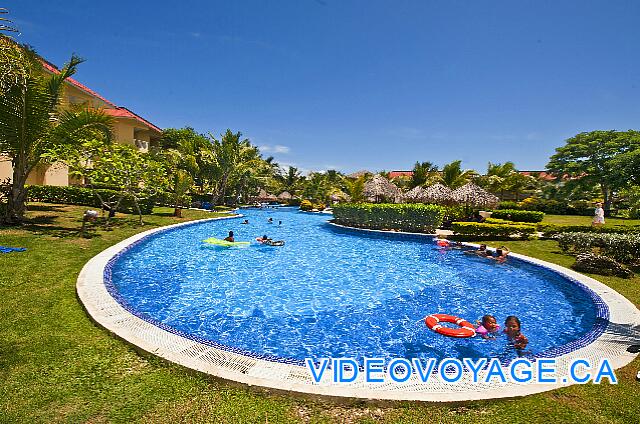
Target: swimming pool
{"type": "Point", "coordinates": [332, 292]}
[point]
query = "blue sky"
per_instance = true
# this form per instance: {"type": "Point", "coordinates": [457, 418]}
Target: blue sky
{"type": "Point", "coordinates": [364, 84]}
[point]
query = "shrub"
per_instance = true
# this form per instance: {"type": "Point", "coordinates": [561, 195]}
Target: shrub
{"type": "Point", "coordinates": [384, 216]}
{"type": "Point", "coordinates": [72, 195]}
{"type": "Point", "coordinates": [624, 248]}
{"type": "Point", "coordinates": [508, 205]}
{"type": "Point", "coordinates": [479, 229]}
{"type": "Point", "coordinates": [518, 216]}
{"type": "Point", "coordinates": [306, 205]}
{"type": "Point", "coordinates": [552, 230]}
{"type": "Point", "coordinates": [319, 206]}
{"type": "Point", "coordinates": [598, 264]}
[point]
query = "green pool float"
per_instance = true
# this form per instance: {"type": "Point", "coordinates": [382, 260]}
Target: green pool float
{"type": "Point", "coordinates": [224, 243]}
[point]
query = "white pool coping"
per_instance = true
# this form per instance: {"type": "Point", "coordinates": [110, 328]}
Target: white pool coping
{"type": "Point", "coordinates": [622, 330]}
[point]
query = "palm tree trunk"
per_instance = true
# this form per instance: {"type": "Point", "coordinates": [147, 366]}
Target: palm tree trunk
{"type": "Point", "coordinates": [16, 203]}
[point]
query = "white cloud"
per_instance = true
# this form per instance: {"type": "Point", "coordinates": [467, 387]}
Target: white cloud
{"type": "Point", "coordinates": [278, 148]}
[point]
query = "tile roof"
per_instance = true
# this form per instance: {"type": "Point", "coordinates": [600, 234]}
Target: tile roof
{"type": "Point", "coordinates": [118, 111]}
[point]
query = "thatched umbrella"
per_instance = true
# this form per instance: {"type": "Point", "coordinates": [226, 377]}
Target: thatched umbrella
{"type": "Point", "coordinates": [379, 188]}
{"type": "Point", "coordinates": [263, 196]}
{"type": "Point", "coordinates": [340, 196]}
{"type": "Point", "coordinates": [285, 195]}
{"type": "Point", "coordinates": [471, 194]}
{"type": "Point", "coordinates": [439, 193]}
{"type": "Point", "coordinates": [415, 195]}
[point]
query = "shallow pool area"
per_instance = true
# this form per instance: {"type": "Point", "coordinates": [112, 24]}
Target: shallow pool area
{"type": "Point", "coordinates": [333, 292]}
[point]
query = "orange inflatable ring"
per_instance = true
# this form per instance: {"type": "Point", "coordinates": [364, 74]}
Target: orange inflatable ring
{"type": "Point", "coordinates": [442, 243]}
{"type": "Point", "coordinates": [466, 329]}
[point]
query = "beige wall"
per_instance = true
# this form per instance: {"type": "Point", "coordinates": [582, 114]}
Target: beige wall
{"type": "Point", "coordinates": [55, 175]}
{"type": "Point", "coordinates": [6, 170]}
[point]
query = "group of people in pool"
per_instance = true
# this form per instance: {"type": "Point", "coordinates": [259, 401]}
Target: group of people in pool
{"type": "Point", "coordinates": [500, 255]}
{"type": "Point", "coordinates": [488, 328]}
{"type": "Point", "coordinates": [264, 239]}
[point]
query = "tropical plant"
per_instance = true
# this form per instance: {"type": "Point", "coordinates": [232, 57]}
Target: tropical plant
{"type": "Point", "coordinates": [236, 163]}
{"type": "Point", "coordinates": [31, 122]}
{"type": "Point", "coordinates": [453, 176]}
{"type": "Point", "coordinates": [424, 173]}
{"type": "Point", "coordinates": [186, 155]}
{"type": "Point", "coordinates": [5, 24]}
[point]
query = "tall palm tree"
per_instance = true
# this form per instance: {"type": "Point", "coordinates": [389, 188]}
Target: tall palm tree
{"type": "Point", "coordinates": [453, 176]}
{"type": "Point", "coordinates": [235, 160]}
{"type": "Point", "coordinates": [31, 121]}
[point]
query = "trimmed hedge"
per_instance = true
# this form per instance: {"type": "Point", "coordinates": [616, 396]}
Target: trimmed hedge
{"type": "Point", "coordinates": [518, 216]}
{"type": "Point", "coordinates": [624, 248]}
{"type": "Point", "coordinates": [72, 195]}
{"type": "Point", "coordinates": [480, 229]}
{"type": "Point", "coordinates": [552, 230]}
{"type": "Point", "coordinates": [413, 217]}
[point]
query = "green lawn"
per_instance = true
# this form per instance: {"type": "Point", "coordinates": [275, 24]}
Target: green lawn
{"type": "Point", "coordinates": [57, 366]}
{"type": "Point", "coordinates": [586, 220]}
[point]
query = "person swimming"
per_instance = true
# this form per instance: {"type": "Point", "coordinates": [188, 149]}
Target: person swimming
{"type": "Point", "coordinates": [488, 326]}
{"type": "Point", "coordinates": [230, 237]}
{"type": "Point", "coordinates": [246, 221]}
{"type": "Point", "coordinates": [512, 330]}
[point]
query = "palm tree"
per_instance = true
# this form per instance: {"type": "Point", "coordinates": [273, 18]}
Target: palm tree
{"type": "Point", "coordinates": [31, 121]}
{"type": "Point", "coordinates": [497, 178]}
{"type": "Point", "coordinates": [453, 176]}
{"type": "Point", "coordinates": [236, 163]}
{"type": "Point", "coordinates": [187, 153]}
{"type": "Point", "coordinates": [423, 173]}
{"type": "Point", "coordinates": [5, 24]}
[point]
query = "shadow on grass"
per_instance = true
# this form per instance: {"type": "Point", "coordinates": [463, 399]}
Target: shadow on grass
{"type": "Point", "coordinates": [45, 208]}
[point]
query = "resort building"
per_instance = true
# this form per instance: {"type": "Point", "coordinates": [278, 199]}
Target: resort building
{"type": "Point", "coordinates": [129, 128]}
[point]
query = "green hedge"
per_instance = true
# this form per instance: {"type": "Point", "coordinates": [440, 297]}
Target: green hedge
{"type": "Point", "coordinates": [552, 230]}
{"type": "Point", "coordinates": [72, 195]}
{"type": "Point", "coordinates": [479, 229]}
{"type": "Point", "coordinates": [414, 217]}
{"type": "Point", "coordinates": [624, 248]}
{"type": "Point", "coordinates": [518, 216]}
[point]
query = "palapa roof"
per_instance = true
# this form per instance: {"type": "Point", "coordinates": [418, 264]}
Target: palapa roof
{"type": "Point", "coordinates": [415, 195]}
{"type": "Point", "coordinates": [264, 196]}
{"type": "Point", "coordinates": [379, 187]}
{"type": "Point", "coordinates": [472, 194]}
{"type": "Point", "coordinates": [340, 195]}
{"type": "Point", "coordinates": [438, 193]}
{"type": "Point", "coordinates": [285, 195]}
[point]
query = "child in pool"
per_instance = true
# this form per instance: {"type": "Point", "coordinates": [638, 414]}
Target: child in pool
{"type": "Point", "coordinates": [512, 330]}
{"type": "Point", "coordinates": [488, 326]}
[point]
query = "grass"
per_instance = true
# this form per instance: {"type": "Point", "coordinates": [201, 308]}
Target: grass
{"type": "Point", "coordinates": [586, 220]}
{"type": "Point", "coordinates": [57, 366]}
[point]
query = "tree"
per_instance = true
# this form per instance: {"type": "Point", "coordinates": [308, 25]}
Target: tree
{"type": "Point", "coordinates": [134, 174]}
{"type": "Point", "coordinates": [453, 176]}
{"type": "Point", "coordinates": [236, 164]}
{"type": "Point", "coordinates": [5, 24]}
{"type": "Point", "coordinates": [423, 173]}
{"type": "Point", "coordinates": [589, 157]}
{"type": "Point", "coordinates": [186, 155]}
{"type": "Point", "coordinates": [31, 122]}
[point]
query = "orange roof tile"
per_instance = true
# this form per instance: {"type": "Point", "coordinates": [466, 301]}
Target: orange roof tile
{"type": "Point", "coordinates": [118, 111]}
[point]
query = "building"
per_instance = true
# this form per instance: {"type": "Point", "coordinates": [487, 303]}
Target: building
{"type": "Point", "coordinates": [129, 128]}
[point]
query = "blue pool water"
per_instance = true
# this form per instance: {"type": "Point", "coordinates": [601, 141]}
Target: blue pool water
{"type": "Point", "coordinates": [331, 292]}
